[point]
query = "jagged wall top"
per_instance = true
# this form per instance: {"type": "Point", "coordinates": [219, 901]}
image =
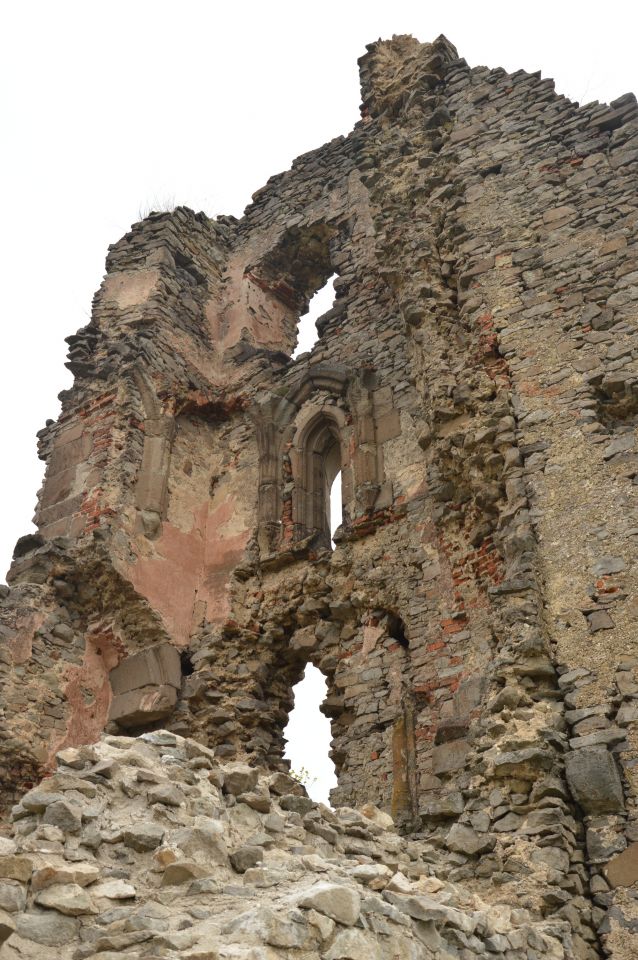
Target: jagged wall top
{"type": "Point", "coordinates": [395, 73]}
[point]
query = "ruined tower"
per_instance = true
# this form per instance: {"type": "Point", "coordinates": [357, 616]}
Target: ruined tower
{"type": "Point", "coordinates": [475, 383]}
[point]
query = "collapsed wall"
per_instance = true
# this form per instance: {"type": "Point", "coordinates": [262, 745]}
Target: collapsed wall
{"type": "Point", "coordinates": [177, 856]}
{"type": "Point", "coordinates": [475, 383]}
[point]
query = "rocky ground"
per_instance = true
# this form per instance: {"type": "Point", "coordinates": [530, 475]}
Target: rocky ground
{"type": "Point", "coordinates": [149, 848]}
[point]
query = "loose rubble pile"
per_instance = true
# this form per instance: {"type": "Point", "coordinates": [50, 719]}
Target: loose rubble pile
{"type": "Point", "coordinates": [149, 848]}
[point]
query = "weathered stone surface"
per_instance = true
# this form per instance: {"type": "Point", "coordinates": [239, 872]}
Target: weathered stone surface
{"type": "Point", "coordinates": [306, 894]}
{"type": "Point", "coordinates": [246, 857]}
{"type": "Point", "coordinates": [337, 902]}
{"type": "Point", "coordinates": [166, 793]}
{"type": "Point", "coordinates": [427, 909]}
{"type": "Point", "coordinates": [67, 816]}
{"type": "Point", "coordinates": [143, 836]}
{"type": "Point", "coordinates": [7, 926]}
{"type": "Point", "coordinates": [204, 841]}
{"type": "Point", "coordinates": [352, 945]}
{"type": "Point", "coordinates": [462, 839]}
{"type": "Point", "coordinates": [16, 868]}
{"type": "Point", "coordinates": [81, 874]}
{"type": "Point", "coordinates": [449, 756]}
{"type": "Point", "coordinates": [183, 872]}
{"type": "Point", "coordinates": [13, 896]}
{"type": "Point", "coordinates": [145, 705]}
{"type": "Point", "coordinates": [281, 783]}
{"type": "Point", "coordinates": [524, 764]}
{"type": "Point", "coordinates": [622, 871]}
{"type": "Point", "coordinates": [269, 927]}
{"type": "Point", "coordinates": [450, 806]}
{"type": "Point", "coordinates": [113, 890]}
{"type": "Point", "coordinates": [593, 778]}
{"type": "Point", "coordinates": [50, 929]}
{"type": "Point", "coordinates": [297, 804]}
{"type": "Point", "coordinates": [240, 779]}
{"type": "Point", "coordinates": [67, 898]}
{"type": "Point", "coordinates": [158, 665]}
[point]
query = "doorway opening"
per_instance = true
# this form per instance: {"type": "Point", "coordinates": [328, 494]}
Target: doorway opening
{"type": "Point", "coordinates": [320, 303]}
{"type": "Point", "coordinates": [308, 736]}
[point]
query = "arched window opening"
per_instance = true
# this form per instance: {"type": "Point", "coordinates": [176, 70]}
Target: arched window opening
{"type": "Point", "coordinates": [336, 506]}
{"type": "Point", "coordinates": [308, 736]}
{"type": "Point", "coordinates": [321, 462]}
{"type": "Point", "coordinates": [307, 333]}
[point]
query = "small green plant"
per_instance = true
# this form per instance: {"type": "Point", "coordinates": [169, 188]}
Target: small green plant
{"type": "Point", "coordinates": [304, 777]}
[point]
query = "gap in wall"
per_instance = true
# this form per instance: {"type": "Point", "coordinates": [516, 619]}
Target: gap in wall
{"type": "Point", "coordinates": [335, 506]}
{"type": "Point", "coordinates": [308, 736]}
{"type": "Point", "coordinates": [307, 334]}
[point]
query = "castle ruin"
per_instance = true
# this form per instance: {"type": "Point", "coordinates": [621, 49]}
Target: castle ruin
{"type": "Point", "coordinates": [476, 385]}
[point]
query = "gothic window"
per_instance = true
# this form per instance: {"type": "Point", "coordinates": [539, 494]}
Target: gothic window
{"type": "Point", "coordinates": [320, 462]}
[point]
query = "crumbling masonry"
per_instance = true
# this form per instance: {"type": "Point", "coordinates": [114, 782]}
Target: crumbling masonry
{"type": "Point", "coordinates": [476, 382]}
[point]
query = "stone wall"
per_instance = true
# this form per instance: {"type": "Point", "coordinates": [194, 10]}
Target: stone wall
{"type": "Point", "coordinates": [475, 382]}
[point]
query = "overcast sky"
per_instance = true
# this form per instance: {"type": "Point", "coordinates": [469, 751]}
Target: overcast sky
{"type": "Point", "coordinates": [109, 109]}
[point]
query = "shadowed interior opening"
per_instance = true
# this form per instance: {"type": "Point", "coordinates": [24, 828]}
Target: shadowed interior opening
{"type": "Point", "coordinates": [396, 630]}
{"type": "Point", "coordinates": [186, 663]}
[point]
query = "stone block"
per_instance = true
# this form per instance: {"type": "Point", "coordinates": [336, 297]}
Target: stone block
{"type": "Point", "coordinates": [449, 756]}
{"type": "Point", "coordinates": [455, 728]}
{"type": "Point", "coordinates": [388, 426]}
{"type": "Point", "coordinates": [450, 806]}
{"type": "Point", "coordinates": [51, 929]}
{"type": "Point", "coordinates": [594, 781]}
{"type": "Point", "coordinates": [463, 839]}
{"type": "Point", "coordinates": [469, 695]}
{"type": "Point", "coordinates": [622, 871]}
{"type": "Point", "coordinates": [138, 707]}
{"type": "Point", "coordinates": [599, 620]}
{"type": "Point", "coordinates": [336, 901]}
{"type": "Point", "coordinates": [58, 487]}
{"type": "Point", "coordinates": [16, 868]}
{"type": "Point", "coordinates": [60, 510]}
{"type": "Point", "coordinates": [67, 455]}
{"type": "Point", "coordinates": [158, 665]}
{"type": "Point", "coordinates": [67, 898]}
{"type": "Point", "coordinates": [246, 857]}
{"type": "Point", "coordinates": [524, 764]}
{"type": "Point", "coordinates": [7, 926]}
{"type": "Point", "coordinates": [183, 872]}
{"type": "Point", "coordinates": [13, 896]}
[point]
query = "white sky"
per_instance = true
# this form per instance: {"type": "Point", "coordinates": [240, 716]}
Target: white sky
{"type": "Point", "coordinates": [110, 108]}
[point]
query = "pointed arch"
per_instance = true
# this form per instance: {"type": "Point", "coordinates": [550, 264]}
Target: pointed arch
{"type": "Point", "coordinates": [317, 456]}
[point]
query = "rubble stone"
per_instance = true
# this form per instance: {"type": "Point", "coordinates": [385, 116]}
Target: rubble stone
{"type": "Point", "coordinates": [593, 778]}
